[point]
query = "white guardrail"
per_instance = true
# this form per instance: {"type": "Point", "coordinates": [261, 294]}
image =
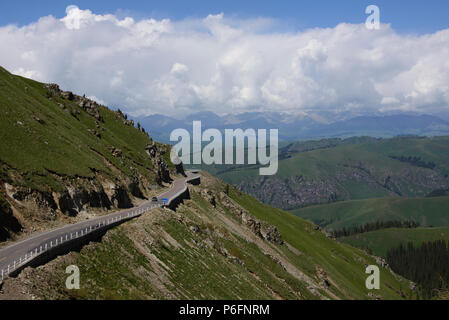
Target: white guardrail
{"type": "Point", "coordinates": [44, 247]}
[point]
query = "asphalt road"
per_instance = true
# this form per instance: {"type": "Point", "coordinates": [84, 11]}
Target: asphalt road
{"type": "Point", "coordinates": [12, 256]}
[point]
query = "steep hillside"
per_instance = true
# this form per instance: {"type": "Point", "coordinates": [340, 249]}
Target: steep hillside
{"type": "Point", "coordinates": [340, 170]}
{"type": "Point", "coordinates": [426, 211]}
{"type": "Point", "coordinates": [64, 156]}
{"type": "Point", "coordinates": [220, 244]}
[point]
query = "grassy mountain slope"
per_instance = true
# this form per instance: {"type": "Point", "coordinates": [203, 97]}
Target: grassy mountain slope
{"type": "Point", "coordinates": [338, 170]}
{"type": "Point", "coordinates": [63, 154]}
{"type": "Point", "coordinates": [210, 248]}
{"type": "Point", "coordinates": [380, 241]}
{"type": "Point", "coordinates": [60, 141]}
{"type": "Point", "coordinates": [426, 211]}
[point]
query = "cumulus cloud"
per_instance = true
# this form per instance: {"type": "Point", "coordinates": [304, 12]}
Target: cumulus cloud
{"type": "Point", "coordinates": [229, 65]}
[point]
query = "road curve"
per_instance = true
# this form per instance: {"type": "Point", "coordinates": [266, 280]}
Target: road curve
{"type": "Point", "coordinates": [20, 253]}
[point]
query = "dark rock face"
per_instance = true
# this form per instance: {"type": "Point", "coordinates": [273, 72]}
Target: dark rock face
{"type": "Point", "coordinates": [99, 199]}
{"type": "Point", "coordinates": [180, 169]}
{"type": "Point", "coordinates": [76, 201]}
{"type": "Point", "coordinates": [134, 188]}
{"type": "Point", "coordinates": [67, 205]}
{"type": "Point", "coordinates": [41, 199]}
{"type": "Point", "coordinates": [163, 173]}
{"type": "Point", "coordinates": [8, 223]}
{"type": "Point", "coordinates": [121, 198]}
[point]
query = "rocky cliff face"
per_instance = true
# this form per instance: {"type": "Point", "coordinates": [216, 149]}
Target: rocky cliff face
{"type": "Point", "coordinates": [299, 191]}
{"type": "Point", "coordinates": [8, 223]}
{"type": "Point", "coordinates": [77, 195]}
{"type": "Point", "coordinates": [157, 157]}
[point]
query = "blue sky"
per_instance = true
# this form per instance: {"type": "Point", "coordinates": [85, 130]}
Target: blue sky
{"type": "Point", "coordinates": [405, 16]}
{"type": "Point", "coordinates": [297, 57]}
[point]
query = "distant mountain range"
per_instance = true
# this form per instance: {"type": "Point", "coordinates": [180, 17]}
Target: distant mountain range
{"type": "Point", "coordinates": [302, 127]}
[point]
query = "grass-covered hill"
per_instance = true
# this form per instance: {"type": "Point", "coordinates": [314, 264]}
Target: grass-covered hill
{"type": "Point", "coordinates": [64, 158]}
{"type": "Point", "coordinates": [380, 241]}
{"type": "Point", "coordinates": [220, 244]}
{"type": "Point", "coordinates": [62, 154]}
{"type": "Point", "coordinates": [426, 211]}
{"type": "Point", "coordinates": [330, 170]}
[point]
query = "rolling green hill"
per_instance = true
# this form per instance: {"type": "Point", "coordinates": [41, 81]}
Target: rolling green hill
{"type": "Point", "coordinates": [380, 241]}
{"type": "Point", "coordinates": [426, 211]}
{"type": "Point", "coordinates": [330, 170]}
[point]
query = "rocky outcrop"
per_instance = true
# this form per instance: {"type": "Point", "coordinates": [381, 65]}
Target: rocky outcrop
{"type": "Point", "coordinates": [151, 149]}
{"type": "Point", "coordinates": [8, 223]}
{"type": "Point", "coordinates": [115, 151]}
{"type": "Point", "coordinates": [300, 190]}
{"type": "Point", "coordinates": [135, 190]}
{"type": "Point", "coordinates": [260, 228]}
{"type": "Point", "coordinates": [163, 174]}
{"type": "Point", "coordinates": [156, 153]}
{"type": "Point", "coordinates": [271, 233]}
{"type": "Point", "coordinates": [95, 133]}
{"type": "Point", "coordinates": [91, 107]}
{"type": "Point", "coordinates": [70, 110]}
{"type": "Point", "coordinates": [121, 199]}
{"type": "Point", "coordinates": [88, 105]}
{"type": "Point", "coordinates": [180, 169]}
{"type": "Point", "coordinates": [73, 201]}
{"type": "Point", "coordinates": [80, 194]}
{"type": "Point", "coordinates": [322, 276]}
{"type": "Point", "coordinates": [209, 196]}
{"type": "Point", "coordinates": [41, 201]}
{"type": "Point", "coordinates": [381, 262]}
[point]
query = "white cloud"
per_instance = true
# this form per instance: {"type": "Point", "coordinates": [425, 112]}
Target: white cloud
{"type": "Point", "coordinates": [230, 65]}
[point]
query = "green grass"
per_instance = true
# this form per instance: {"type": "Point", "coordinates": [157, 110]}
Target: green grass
{"type": "Point", "coordinates": [426, 211]}
{"type": "Point", "coordinates": [359, 168]}
{"type": "Point", "coordinates": [344, 264]}
{"type": "Point", "coordinates": [116, 268]}
{"type": "Point", "coordinates": [380, 241]}
{"type": "Point", "coordinates": [62, 142]}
